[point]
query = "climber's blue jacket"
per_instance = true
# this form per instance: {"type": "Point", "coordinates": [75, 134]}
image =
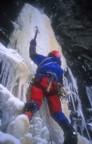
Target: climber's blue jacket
{"type": "Point", "coordinates": [45, 64]}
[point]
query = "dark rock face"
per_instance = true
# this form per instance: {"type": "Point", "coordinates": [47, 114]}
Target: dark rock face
{"type": "Point", "coordinates": [8, 12]}
{"type": "Point", "coordinates": [72, 24]}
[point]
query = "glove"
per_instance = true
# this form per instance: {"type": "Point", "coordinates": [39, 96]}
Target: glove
{"type": "Point", "coordinates": [32, 49]}
{"type": "Point", "coordinates": [28, 109]}
{"type": "Point", "coordinates": [29, 106]}
{"type": "Point", "coordinates": [33, 43]}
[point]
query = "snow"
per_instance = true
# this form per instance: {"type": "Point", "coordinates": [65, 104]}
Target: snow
{"type": "Point", "coordinates": [82, 140]}
{"type": "Point", "coordinates": [19, 127]}
{"type": "Point", "coordinates": [14, 72]}
{"type": "Point", "coordinates": [10, 106]}
{"type": "Point", "coordinates": [12, 54]}
{"type": "Point", "coordinates": [73, 80]}
{"type": "Point", "coordinates": [16, 64]}
{"type": "Point", "coordinates": [8, 139]}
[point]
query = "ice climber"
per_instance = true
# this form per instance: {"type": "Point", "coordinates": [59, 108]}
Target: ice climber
{"type": "Point", "coordinates": [45, 84]}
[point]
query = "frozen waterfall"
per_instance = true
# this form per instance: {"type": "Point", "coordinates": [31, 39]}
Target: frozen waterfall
{"type": "Point", "coordinates": [16, 70]}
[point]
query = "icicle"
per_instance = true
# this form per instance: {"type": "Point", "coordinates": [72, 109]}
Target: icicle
{"type": "Point", "coordinates": [74, 97]}
{"type": "Point", "coordinates": [89, 94]}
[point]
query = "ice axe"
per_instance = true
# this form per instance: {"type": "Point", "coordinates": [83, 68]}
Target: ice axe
{"type": "Point", "coordinates": [36, 32]}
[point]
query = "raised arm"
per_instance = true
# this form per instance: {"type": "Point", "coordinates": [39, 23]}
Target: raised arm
{"type": "Point", "coordinates": [37, 58]}
{"type": "Point", "coordinates": [32, 49]}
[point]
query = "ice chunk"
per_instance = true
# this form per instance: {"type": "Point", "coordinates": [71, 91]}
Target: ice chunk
{"type": "Point", "coordinates": [82, 140]}
{"type": "Point", "coordinates": [8, 139]}
{"type": "Point", "coordinates": [19, 127]}
{"type": "Point", "coordinates": [10, 107]}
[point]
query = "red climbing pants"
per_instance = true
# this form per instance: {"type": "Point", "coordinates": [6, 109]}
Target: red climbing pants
{"type": "Point", "coordinates": [39, 90]}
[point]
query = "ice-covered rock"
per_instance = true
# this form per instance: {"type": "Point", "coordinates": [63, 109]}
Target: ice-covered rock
{"type": "Point", "coordinates": [8, 139]}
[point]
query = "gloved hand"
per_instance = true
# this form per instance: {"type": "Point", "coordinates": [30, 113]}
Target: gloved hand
{"type": "Point", "coordinates": [32, 49]}
{"type": "Point", "coordinates": [33, 42]}
{"type": "Point", "coordinates": [30, 108]}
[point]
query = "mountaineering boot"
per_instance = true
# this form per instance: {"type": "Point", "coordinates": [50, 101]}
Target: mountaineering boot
{"type": "Point", "coordinates": [70, 135]}
{"type": "Point", "coordinates": [29, 109]}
